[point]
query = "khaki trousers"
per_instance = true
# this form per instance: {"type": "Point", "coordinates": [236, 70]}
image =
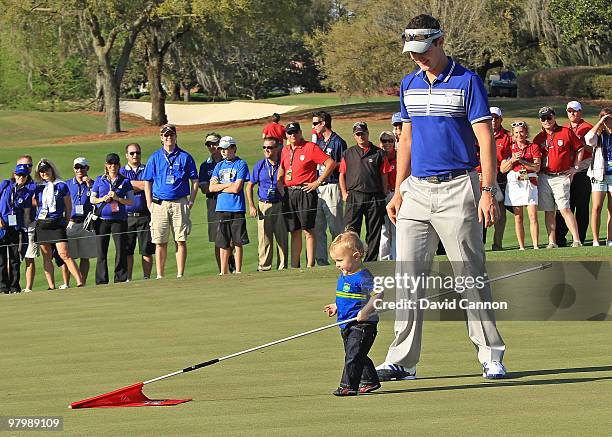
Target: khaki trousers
{"type": "Point", "coordinates": [271, 226]}
{"type": "Point", "coordinates": [431, 212]}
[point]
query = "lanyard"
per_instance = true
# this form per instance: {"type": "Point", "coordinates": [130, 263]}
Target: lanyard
{"type": "Point", "coordinates": [271, 169]}
{"type": "Point", "coordinates": [291, 154]}
{"type": "Point", "coordinates": [166, 156]}
{"type": "Point", "coordinates": [80, 191]}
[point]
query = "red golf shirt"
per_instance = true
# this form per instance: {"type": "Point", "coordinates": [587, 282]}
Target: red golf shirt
{"type": "Point", "coordinates": [302, 163]}
{"type": "Point", "coordinates": [530, 152]}
{"type": "Point", "coordinates": [580, 131]}
{"type": "Point", "coordinates": [503, 142]}
{"type": "Point", "coordinates": [558, 149]}
{"type": "Point", "coordinates": [274, 130]}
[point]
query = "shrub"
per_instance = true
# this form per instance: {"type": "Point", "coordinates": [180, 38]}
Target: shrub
{"type": "Point", "coordinates": [576, 82]}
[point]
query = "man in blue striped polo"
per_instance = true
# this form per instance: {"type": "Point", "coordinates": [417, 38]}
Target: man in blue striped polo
{"type": "Point", "coordinates": [445, 111]}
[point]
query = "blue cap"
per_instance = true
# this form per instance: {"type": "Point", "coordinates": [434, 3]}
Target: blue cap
{"type": "Point", "coordinates": [22, 169]}
{"type": "Point", "coordinates": [396, 118]}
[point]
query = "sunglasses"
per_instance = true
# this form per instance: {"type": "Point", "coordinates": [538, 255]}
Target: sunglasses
{"type": "Point", "coordinates": [361, 134]}
{"type": "Point", "coordinates": [316, 123]}
{"type": "Point", "coordinates": [388, 141]}
{"type": "Point", "coordinates": [169, 134]}
{"type": "Point", "coordinates": [112, 163]}
{"type": "Point", "coordinates": [546, 118]}
{"type": "Point", "coordinates": [80, 167]}
{"type": "Point", "coordinates": [134, 153]}
{"type": "Point", "coordinates": [293, 132]}
{"type": "Point", "coordinates": [210, 144]}
{"type": "Point", "coordinates": [518, 124]}
{"type": "Point", "coordinates": [414, 37]}
{"type": "Point", "coordinates": [269, 147]}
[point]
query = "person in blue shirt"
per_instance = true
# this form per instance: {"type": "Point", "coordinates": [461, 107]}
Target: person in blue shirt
{"type": "Point", "coordinates": [139, 217]}
{"type": "Point", "coordinates": [15, 203]}
{"type": "Point", "coordinates": [81, 242]}
{"type": "Point", "coordinates": [355, 297]}
{"type": "Point", "coordinates": [270, 222]}
{"type": "Point", "coordinates": [114, 193]}
{"type": "Point", "coordinates": [53, 207]}
{"type": "Point", "coordinates": [211, 141]}
{"type": "Point", "coordinates": [228, 180]}
{"type": "Point", "coordinates": [29, 251]}
{"type": "Point", "coordinates": [445, 112]}
{"type": "Point", "coordinates": [171, 186]}
{"type": "Point", "coordinates": [329, 205]}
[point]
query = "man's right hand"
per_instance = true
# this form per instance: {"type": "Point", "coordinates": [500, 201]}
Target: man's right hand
{"type": "Point", "coordinates": [253, 211]}
{"type": "Point", "coordinates": [394, 206]}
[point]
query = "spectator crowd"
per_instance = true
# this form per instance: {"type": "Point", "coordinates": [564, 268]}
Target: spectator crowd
{"type": "Point", "coordinates": [304, 188]}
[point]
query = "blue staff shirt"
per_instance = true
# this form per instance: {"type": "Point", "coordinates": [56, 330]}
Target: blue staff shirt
{"type": "Point", "coordinates": [352, 294]}
{"type": "Point", "coordinates": [206, 171]}
{"type": "Point", "coordinates": [231, 171]}
{"type": "Point", "coordinates": [606, 142]}
{"type": "Point", "coordinates": [442, 115]}
{"type": "Point", "coordinates": [265, 174]}
{"type": "Point", "coordinates": [60, 191]}
{"type": "Point", "coordinates": [170, 173]}
{"type": "Point", "coordinates": [140, 202]}
{"type": "Point", "coordinates": [335, 147]}
{"type": "Point", "coordinates": [79, 193]}
{"type": "Point", "coordinates": [13, 201]}
{"type": "Point", "coordinates": [123, 189]}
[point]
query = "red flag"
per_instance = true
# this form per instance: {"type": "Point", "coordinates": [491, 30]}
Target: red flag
{"type": "Point", "coordinates": [130, 396]}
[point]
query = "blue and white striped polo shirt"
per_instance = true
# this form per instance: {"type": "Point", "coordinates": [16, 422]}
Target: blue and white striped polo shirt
{"type": "Point", "coordinates": [442, 115]}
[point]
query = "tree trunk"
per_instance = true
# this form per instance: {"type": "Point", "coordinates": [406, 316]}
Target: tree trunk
{"type": "Point", "coordinates": [186, 92]}
{"type": "Point", "coordinates": [99, 92]}
{"type": "Point", "coordinates": [176, 91]}
{"type": "Point", "coordinates": [111, 104]}
{"type": "Point", "coordinates": [158, 95]}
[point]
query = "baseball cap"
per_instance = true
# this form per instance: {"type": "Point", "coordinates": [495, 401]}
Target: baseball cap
{"type": "Point", "coordinates": [22, 169]}
{"type": "Point", "coordinates": [546, 110]}
{"type": "Point", "coordinates": [494, 110]}
{"type": "Point", "coordinates": [226, 142]}
{"type": "Point", "coordinates": [576, 106]}
{"type": "Point", "coordinates": [168, 128]}
{"type": "Point", "coordinates": [396, 118]}
{"type": "Point", "coordinates": [419, 40]}
{"type": "Point", "coordinates": [80, 161]}
{"type": "Point", "coordinates": [386, 135]}
{"type": "Point", "coordinates": [360, 126]}
{"type": "Point", "coordinates": [43, 165]}
{"type": "Point", "coordinates": [292, 127]}
{"type": "Point", "coordinates": [212, 137]}
{"type": "Point", "coordinates": [112, 158]}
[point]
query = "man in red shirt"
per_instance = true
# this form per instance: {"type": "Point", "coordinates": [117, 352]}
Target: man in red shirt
{"type": "Point", "coordinates": [580, 189]}
{"type": "Point", "coordinates": [387, 234]}
{"type": "Point", "coordinates": [503, 142]}
{"type": "Point", "coordinates": [274, 129]}
{"type": "Point", "coordinates": [561, 153]}
{"type": "Point", "coordinates": [297, 184]}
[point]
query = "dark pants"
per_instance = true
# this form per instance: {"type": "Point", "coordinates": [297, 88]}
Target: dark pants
{"type": "Point", "coordinates": [580, 197]}
{"type": "Point", "coordinates": [372, 207]}
{"type": "Point", "coordinates": [9, 255]}
{"type": "Point", "coordinates": [118, 228]}
{"type": "Point", "coordinates": [358, 368]}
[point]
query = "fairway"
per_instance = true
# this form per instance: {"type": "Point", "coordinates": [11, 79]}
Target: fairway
{"type": "Point", "coordinates": [64, 346]}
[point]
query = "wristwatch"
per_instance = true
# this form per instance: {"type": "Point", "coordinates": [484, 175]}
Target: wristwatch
{"type": "Point", "coordinates": [492, 190]}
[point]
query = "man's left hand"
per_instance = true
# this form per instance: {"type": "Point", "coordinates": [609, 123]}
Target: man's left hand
{"type": "Point", "coordinates": [311, 186]}
{"type": "Point", "coordinates": [488, 210]}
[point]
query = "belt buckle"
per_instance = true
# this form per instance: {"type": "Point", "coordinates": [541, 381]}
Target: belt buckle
{"type": "Point", "coordinates": [433, 179]}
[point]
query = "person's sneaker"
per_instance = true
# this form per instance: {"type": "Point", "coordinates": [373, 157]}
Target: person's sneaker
{"type": "Point", "coordinates": [343, 391]}
{"type": "Point", "coordinates": [179, 276]}
{"type": "Point", "coordinates": [367, 388]}
{"type": "Point", "coordinates": [63, 287]}
{"type": "Point", "coordinates": [493, 370]}
{"type": "Point", "coordinates": [27, 290]}
{"type": "Point", "coordinates": [576, 244]}
{"type": "Point", "coordinates": [159, 277]}
{"type": "Point", "coordinates": [552, 246]}
{"type": "Point", "coordinates": [388, 372]}
{"type": "Point", "coordinates": [595, 243]}
{"type": "Point", "coordinates": [609, 243]}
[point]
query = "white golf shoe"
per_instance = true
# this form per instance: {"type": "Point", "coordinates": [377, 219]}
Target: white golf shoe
{"type": "Point", "coordinates": [493, 370]}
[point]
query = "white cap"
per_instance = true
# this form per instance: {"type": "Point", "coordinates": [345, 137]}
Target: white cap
{"type": "Point", "coordinates": [496, 111]}
{"type": "Point", "coordinates": [576, 106]}
{"type": "Point", "coordinates": [81, 161]}
{"type": "Point", "coordinates": [226, 142]}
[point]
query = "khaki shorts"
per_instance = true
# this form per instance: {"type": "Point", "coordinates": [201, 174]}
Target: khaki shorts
{"type": "Point", "coordinates": [81, 243]}
{"type": "Point", "coordinates": [170, 214]}
{"type": "Point", "coordinates": [553, 190]}
{"type": "Point", "coordinates": [32, 250]}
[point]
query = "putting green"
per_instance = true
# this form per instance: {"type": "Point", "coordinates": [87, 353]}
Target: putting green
{"type": "Point", "coordinates": [60, 347]}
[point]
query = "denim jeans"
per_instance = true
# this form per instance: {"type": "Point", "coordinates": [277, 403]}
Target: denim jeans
{"type": "Point", "coordinates": [358, 368]}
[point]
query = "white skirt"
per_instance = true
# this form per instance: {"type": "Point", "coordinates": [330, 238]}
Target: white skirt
{"type": "Point", "coordinates": [520, 193]}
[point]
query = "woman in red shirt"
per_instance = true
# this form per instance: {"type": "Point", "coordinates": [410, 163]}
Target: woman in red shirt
{"type": "Point", "coordinates": [522, 166]}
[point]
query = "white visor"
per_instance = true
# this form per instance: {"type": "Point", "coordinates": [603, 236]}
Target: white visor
{"type": "Point", "coordinates": [419, 40]}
